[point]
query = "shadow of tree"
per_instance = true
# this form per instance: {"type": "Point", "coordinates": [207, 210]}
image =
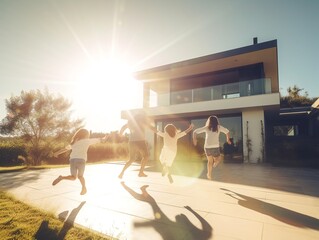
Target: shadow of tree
{"type": "Point", "coordinates": [46, 233]}
{"type": "Point", "coordinates": [18, 178]}
{"type": "Point", "coordinates": [281, 214]}
{"type": "Point", "coordinates": [182, 228]}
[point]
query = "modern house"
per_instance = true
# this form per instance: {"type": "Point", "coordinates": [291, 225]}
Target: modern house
{"type": "Point", "coordinates": [293, 136]}
{"type": "Point", "coordinates": [240, 86]}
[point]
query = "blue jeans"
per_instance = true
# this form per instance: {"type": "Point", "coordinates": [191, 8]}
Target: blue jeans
{"type": "Point", "coordinates": [77, 167]}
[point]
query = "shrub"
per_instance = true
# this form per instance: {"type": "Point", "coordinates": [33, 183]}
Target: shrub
{"type": "Point", "coordinates": [106, 151]}
{"type": "Point", "coordinates": [12, 154]}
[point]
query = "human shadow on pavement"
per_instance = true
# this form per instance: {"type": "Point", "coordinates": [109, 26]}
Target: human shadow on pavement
{"type": "Point", "coordinates": [46, 233]}
{"type": "Point", "coordinates": [182, 228]}
{"type": "Point", "coordinates": [281, 214]}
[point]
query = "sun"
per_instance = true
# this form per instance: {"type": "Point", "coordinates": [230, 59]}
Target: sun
{"type": "Point", "coordinates": [103, 89]}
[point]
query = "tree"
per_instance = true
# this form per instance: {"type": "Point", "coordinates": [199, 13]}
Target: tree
{"type": "Point", "coordinates": [41, 119]}
{"type": "Point", "coordinates": [294, 92]}
{"type": "Point", "coordinates": [295, 99]}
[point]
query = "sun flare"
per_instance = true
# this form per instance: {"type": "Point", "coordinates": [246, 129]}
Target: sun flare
{"type": "Point", "coordinates": [105, 87]}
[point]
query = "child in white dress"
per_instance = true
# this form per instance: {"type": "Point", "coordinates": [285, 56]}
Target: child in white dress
{"type": "Point", "coordinates": [168, 153]}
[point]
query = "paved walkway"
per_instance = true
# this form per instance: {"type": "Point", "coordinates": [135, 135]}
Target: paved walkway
{"type": "Point", "coordinates": [242, 202]}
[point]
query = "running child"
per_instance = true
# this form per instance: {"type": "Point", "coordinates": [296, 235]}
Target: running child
{"type": "Point", "coordinates": [168, 153]}
{"type": "Point", "coordinates": [79, 146]}
{"type": "Point", "coordinates": [212, 129]}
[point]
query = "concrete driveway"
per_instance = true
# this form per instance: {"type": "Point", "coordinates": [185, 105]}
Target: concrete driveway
{"type": "Point", "coordinates": [243, 201]}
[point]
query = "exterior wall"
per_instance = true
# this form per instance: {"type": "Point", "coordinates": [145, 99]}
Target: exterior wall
{"type": "Point", "coordinates": [158, 105]}
{"type": "Point", "coordinates": [267, 56]}
{"type": "Point", "coordinates": [256, 134]}
{"type": "Point", "coordinates": [162, 93]}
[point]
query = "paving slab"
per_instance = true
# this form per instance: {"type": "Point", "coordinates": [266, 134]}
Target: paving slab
{"type": "Point", "coordinates": [243, 201]}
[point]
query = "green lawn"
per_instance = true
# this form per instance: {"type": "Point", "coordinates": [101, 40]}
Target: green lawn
{"type": "Point", "coordinates": [20, 221]}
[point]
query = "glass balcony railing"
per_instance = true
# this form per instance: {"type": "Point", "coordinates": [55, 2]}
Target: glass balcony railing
{"type": "Point", "coordinates": [225, 91]}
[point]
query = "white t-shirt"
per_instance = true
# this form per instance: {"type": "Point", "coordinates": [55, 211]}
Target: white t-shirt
{"type": "Point", "coordinates": [80, 148]}
{"type": "Point", "coordinates": [211, 138]}
{"type": "Point", "coordinates": [169, 149]}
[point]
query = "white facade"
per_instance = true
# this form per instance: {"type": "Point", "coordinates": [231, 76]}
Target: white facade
{"type": "Point", "coordinates": [253, 135]}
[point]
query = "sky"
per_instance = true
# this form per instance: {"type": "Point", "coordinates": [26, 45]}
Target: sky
{"type": "Point", "coordinates": [86, 50]}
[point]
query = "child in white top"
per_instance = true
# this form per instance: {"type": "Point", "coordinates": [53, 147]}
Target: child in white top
{"type": "Point", "coordinates": [79, 146]}
{"type": "Point", "coordinates": [169, 150]}
{"type": "Point", "coordinates": [212, 129]}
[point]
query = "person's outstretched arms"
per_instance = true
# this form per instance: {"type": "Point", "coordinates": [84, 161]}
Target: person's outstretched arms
{"type": "Point", "coordinates": [152, 128]}
{"type": "Point", "coordinates": [194, 138]}
{"type": "Point", "coordinates": [190, 128]}
{"type": "Point", "coordinates": [205, 225]}
{"type": "Point", "coordinates": [228, 138]}
{"type": "Point", "coordinates": [63, 150]}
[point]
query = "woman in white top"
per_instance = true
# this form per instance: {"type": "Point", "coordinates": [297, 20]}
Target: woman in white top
{"type": "Point", "coordinates": [79, 146]}
{"type": "Point", "coordinates": [212, 129]}
{"type": "Point", "coordinates": [168, 153]}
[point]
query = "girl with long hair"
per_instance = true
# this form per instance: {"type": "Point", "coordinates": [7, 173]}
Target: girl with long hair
{"type": "Point", "coordinates": [79, 146]}
{"type": "Point", "coordinates": [212, 130]}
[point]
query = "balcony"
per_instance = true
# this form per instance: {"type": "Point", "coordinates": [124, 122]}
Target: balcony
{"type": "Point", "coordinates": [218, 92]}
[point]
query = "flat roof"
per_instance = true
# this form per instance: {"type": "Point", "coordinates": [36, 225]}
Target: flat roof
{"type": "Point", "coordinates": [211, 57]}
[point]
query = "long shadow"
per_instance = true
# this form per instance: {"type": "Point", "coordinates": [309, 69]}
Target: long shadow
{"type": "Point", "coordinates": [182, 228]}
{"type": "Point", "coordinates": [18, 178]}
{"type": "Point", "coordinates": [46, 233]}
{"type": "Point", "coordinates": [282, 214]}
{"type": "Point", "coordinates": [296, 180]}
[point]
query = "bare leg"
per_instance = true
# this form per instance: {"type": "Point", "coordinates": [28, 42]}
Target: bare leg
{"type": "Point", "coordinates": [82, 181]}
{"type": "Point", "coordinates": [216, 161]}
{"type": "Point", "coordinates": [127, 164]}
{"type": "Point", "coordinates": [59, 178]}
{"type": "Point", "coordinates": [169, 174]}
{"type": "Point", "coordinates": [210, 163]}
{"type": "Point", "coordinates": [164, 169]}
{"type": "Point", "coordinates": [143, 164]}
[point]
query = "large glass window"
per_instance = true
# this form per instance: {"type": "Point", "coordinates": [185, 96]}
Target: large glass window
{"type": "Point", "coordinates": [233, 152]}
{"type": "Point", "coordinates": [286, 130]}
{"type": "Point", "coordinates": [188, 152]}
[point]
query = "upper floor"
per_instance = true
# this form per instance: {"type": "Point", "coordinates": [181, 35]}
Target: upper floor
{"type": "Point", "coordinates": [248, 74]}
